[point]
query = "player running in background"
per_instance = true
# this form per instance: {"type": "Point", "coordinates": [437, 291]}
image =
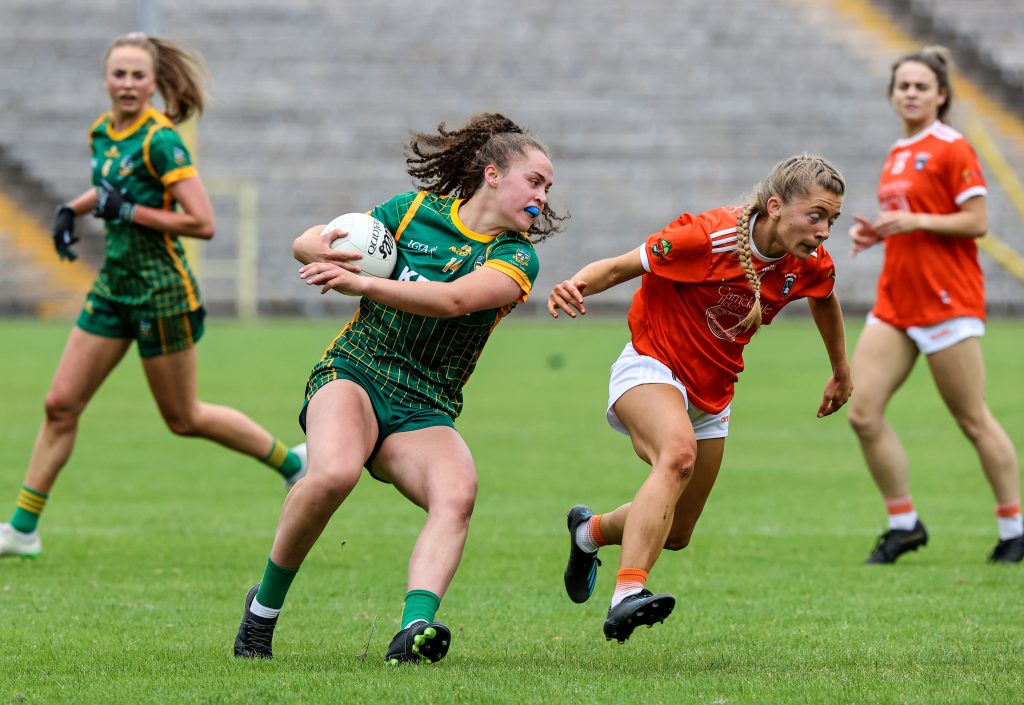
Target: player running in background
{"type": "Point", "coordinates": [709, 281]}
{"type": "Point", "coordinates": [145, 290]}
{"type": "Point", "coordinates": [387, 391]}
{"type": "Point", "coordinates": [930, 301]}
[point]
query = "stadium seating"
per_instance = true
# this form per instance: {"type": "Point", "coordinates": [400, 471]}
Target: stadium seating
{"type": "Point", "coordinates": [649, 108]}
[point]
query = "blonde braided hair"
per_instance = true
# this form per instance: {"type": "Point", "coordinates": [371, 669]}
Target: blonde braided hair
{"type": "Point", "coordinates": [753, 317]}
{"type": "Point", "coordinates": [791, 178]}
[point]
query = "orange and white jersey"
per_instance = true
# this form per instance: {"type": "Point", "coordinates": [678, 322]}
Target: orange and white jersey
{"type": "Point", "coordinates": [695, 292]}
{"type": "Point", "coordinates": [928, 278]}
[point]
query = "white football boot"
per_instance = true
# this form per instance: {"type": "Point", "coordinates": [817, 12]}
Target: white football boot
{"type": "Point", "coordinates": [15, 543]}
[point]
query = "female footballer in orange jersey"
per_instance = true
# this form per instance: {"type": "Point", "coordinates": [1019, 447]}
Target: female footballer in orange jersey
{"type": "Point", "coordinates": [709, 281]}
{"type": "Point", "coordinates": [931, 300]}
{"type": "Point", "coordinates": [145, 291]}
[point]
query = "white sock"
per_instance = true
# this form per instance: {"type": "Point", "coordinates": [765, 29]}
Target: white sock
{"type": "Point", "coordinates": [1011, 528]}
{"type": "Point", "coordinates": [905, 521]}
{"type": "Point", "coordinates": [583, 538]}
{"type": "Point", "coordinates": [265, 612]}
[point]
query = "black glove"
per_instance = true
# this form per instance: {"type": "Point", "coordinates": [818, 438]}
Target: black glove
{"type": "Point", "coordinates": [113, 205]}
{"type": "Point", "coordinates": [64, 232]}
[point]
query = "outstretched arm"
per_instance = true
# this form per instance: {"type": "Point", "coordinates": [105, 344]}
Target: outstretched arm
{"type": "Point", "coordinates": [828, 317]}
{"type": "Point", "coordinates": [593, 279]}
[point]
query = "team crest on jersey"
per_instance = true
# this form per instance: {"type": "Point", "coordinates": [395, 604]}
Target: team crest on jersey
{"type": "Point", "coordinates": [787, 284]}
{"type": "Point", "coordinates": [179, 156]}
{"type": "Point", "coordinates": [661, 248]}
{"type": "Point", "coordinates": [479, 262]}
{"type": "Point", "coordinates": [463, 251]}
{"type": "Point", "coordinates": [126, 167]}
{"type": "Point", "coordinates": [920, 159]}
{"type": "Point", "coordinates": [522, 257]}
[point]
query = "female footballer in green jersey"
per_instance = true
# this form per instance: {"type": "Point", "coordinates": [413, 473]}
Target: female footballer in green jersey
{"type": "Point", "coordinates": [387, 390]}
{"type": "Point", "coordinates": [145, 290]}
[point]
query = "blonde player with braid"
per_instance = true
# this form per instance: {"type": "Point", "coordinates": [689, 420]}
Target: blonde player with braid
{"type": "Point", "coordinates": [709, 281]}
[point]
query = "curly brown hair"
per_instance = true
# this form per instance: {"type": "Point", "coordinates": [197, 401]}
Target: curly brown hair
{"type": "Point", "coordinates": [453, 161]}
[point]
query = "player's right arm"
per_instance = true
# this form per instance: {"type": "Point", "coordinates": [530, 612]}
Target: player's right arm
{"type": "Point", "coordinates": [592, 279]}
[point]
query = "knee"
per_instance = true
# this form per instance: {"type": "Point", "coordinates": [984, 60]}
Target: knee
{"type": "Point", "coordinates": [61, 410]}
{"type": "Point", "coordinates": [181, 424]}
{"type": "Point", "coordinates": [458, 499]}
{"type": "Point", "coordinates": [863, 423]}
{"type": "Point", "coordinates": [974, 425]}
{"type": "Point", "coordinates": [678, 461]}
{"type": "Point", "coordinates": [335, 481]}
{"type": "Point", "coordinates": [677, 541]}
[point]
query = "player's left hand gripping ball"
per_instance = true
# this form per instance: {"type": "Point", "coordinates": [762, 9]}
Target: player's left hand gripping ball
{"type": "Point", "coordinates": [64, 232]}
{"type": "Point", "coordinates": [113, 205]}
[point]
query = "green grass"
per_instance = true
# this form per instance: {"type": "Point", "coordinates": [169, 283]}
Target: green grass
{"type": "Point", "coordinates": [151, 542]}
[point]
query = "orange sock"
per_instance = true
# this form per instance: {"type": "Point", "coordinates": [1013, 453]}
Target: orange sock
{"type": "Point", "coordinates": [628, 581]}
{"type": "Point", "coordinates": [594, 531]}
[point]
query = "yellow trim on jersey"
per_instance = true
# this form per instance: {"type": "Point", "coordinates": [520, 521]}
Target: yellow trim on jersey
{"type": "Point", "coordinates": [145, 151]}
{"type": "Point", "coordinates": [193, 300]}
{"type": "Point", "coordinates": [463, 229]}
{"type": "Point", "coordinates": [96, 123]}
{"type": "Point", "coordinates": [176, 175]}
{"type": "Point", "coordinates": [521, 279]}
{"type": "Point", "coordinates": [409, 214]}
{"type": "Point", "coordinates": [117, 135]}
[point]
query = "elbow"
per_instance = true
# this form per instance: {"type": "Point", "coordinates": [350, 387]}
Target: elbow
{"type": "Point", "coordinates": [452, 307]}
{"type": "Point", "coordinates": [206, 232]}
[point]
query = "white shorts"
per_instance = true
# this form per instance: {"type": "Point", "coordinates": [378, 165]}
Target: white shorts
{"type": "Point", "coordinates": [633, 369]}
{"type": "Point", "coordinates": [932, 339]}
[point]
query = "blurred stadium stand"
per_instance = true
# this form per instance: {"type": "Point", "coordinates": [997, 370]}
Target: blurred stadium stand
{"type": "Point", "coordinates": [649, 108]}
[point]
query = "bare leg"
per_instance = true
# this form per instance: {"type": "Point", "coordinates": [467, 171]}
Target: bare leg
{"type": "Point", "coordinates": [655, 416]}
{"type": "Point", "coordinates": [433, 468]}
{"type": "Point", "coordinates": [690, 505]}
{"type": "Point", "coordinates": [959, 373]}
{"type": "Point", "coordinates": [340, 433]}
{"type": "Point", "coordinates": [172, 379]}
{"type": "Point", "coordinates": [87, 360]}
{"type": "Point", "coordinates": [881, 362]}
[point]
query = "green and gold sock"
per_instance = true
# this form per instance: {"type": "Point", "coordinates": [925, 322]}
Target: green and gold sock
{"type": "Point", "coordinates": [419, 604]}
{"type": "Point", "coordinates": [282, 459]}
{"type": "Point", "coordinates": [27, 510]}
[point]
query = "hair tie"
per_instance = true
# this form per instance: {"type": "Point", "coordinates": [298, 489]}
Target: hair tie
{"type": "Point", "coordinates": [515, 130]}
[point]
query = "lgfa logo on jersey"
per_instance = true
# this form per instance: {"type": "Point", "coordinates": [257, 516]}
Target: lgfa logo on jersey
{"type": "Point", "coordinates": [661, 248]}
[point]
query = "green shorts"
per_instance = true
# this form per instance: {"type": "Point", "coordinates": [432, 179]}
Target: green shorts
{"type": "Point", "coordinates": [391, 417]}
{"type": "Point", "coordinates": [155, 336]}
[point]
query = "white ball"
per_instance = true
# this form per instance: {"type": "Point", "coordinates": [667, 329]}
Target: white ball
{"type": "Point", "coordinates": [369, 237]}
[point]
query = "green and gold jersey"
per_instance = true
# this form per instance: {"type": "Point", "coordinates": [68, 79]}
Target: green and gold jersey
{"type": "Point", "coordinates": [143, 268]}
{"type": "Point", "coordinates": [416, 360]}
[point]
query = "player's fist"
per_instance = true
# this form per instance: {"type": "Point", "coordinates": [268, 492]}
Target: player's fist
{"type": "Point", "coordinates": [113, 205]}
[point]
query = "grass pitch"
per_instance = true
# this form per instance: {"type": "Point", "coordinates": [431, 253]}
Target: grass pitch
{"type": "Point", "coordinates": [151, 542]}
